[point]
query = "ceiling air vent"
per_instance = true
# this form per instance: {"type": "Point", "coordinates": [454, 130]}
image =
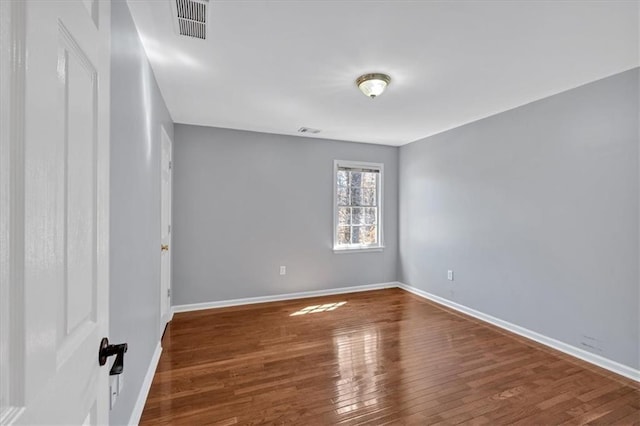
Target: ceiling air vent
{"type": "Point", "coordinates": [308, 130]}
{"type": "Point", "coordinates": [192, 18]}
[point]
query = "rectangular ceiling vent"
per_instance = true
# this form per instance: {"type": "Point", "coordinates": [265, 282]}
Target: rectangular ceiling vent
{"type": "Point", "coordinates": [192, 18]}
{"type": "Point", "coordinates": [308, 130]}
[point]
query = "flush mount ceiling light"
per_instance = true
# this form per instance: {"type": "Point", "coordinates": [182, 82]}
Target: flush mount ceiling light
{"type": "Point", "coordinates": [373, 85]}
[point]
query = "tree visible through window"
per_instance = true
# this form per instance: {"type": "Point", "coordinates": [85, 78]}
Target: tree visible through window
{"type": "Point", "coordinates": [357, 207]}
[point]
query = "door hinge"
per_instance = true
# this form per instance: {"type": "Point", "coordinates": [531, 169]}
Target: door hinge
{"type": "Point", "coordinates": [168, 292]}
{"type": "Point", "coordinates": [170, 164]}
{"type": "Point", "coordinates": [169, 229]}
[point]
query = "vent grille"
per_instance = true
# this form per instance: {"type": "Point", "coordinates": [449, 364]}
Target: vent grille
{"type": "Point", "coordinates": [192, 18]}
{"type": "Point", "coordinates": [308, 130]}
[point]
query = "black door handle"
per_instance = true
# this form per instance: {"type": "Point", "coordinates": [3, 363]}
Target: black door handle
{"type": "Point", "coordinates": [106, 350]}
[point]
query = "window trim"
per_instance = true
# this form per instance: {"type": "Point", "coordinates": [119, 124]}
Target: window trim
{"type": "Point", "coordinates": [380, 200]}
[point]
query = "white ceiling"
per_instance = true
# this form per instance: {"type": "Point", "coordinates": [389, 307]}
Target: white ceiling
{"type": "Point", "coordinates": [274, 66]}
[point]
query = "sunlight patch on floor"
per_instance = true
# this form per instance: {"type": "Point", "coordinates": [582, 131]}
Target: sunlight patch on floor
{"type": "Point", "coordinates": [318, 308]}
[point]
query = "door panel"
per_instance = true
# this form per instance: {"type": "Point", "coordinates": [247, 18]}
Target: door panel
{"type": "Point", "coordinates": [66, 211]}
{"type": "Point", "coordinates": [77, 79]}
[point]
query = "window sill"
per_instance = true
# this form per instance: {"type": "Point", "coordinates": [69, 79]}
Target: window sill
{"type": "Point", "coordinates": [358, 250]}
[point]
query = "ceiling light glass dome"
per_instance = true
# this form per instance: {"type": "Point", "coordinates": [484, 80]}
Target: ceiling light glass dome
{"type": "Point", "coordinates": [372, 85]}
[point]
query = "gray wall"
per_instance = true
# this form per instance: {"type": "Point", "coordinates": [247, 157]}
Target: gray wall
{"type": "Point", "coordinates": [536, 211]}
{"type": "Point", "coordinates": [246, 203]}
{"type": "Point", "coordinates": [137, 112]}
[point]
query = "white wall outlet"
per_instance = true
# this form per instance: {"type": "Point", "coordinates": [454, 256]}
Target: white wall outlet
{"type": "Point", "coordinates": [450, 275]}
{"type": "Point", "coordinates": [283, 270]}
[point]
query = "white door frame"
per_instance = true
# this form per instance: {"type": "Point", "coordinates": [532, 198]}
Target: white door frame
{"type": "Point", "coordinates": [166, 168]}
{"type": "Point", "coordinates": [12, 69]}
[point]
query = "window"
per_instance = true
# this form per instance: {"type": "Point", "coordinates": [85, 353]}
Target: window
{"type": "Point", "coordinates": [357, 206]}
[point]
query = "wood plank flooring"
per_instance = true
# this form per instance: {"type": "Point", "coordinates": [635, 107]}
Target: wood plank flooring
{"type": "Point", "coordinates": [383, 357]}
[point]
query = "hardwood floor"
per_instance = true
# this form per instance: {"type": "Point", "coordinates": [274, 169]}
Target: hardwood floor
{"type": "Point", "coordinates": [383, 357]}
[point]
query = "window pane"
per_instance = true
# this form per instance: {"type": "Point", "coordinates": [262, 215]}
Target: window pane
{"type": "Point", "coordinates": [369, 197]}
{"type": "Point", "coordinates": [342, 178]}
{"type": "Point", "coordinates": [344, 216]}
{"type": "Point", "coordinates": [356, 179]}
{"type": "Point", "coordinates": [356, 197]}
{"type": "Point", "coordinates": [370, 216]}
{"type": "Point", "coordinates": [357, 216]}
{"type": "Point", "coordinates": [369, 180]}
{"type": "Point", "coordinates": [368, 235]}
{"type": "Point", "coordinates": [355, 235]}
{"type": "Point", "coordinates": [344, 235]}
{"type": "Point", "coordinates": [343, 196]}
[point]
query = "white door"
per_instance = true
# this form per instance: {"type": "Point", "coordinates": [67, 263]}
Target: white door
{"type": "Point", "coordinates": [57, 113]}
{"type": "Point", "coordinates": [165, 230]}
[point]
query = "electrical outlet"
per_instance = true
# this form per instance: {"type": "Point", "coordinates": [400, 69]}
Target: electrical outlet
{"type": "Point", "coordinates": [283, 270]}
{"type": "Point", "coordinates": [450, 275]}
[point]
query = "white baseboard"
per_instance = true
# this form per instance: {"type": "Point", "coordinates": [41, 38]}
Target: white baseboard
{"type": "Point", "coordinates": [280, 297]}
{"type": "Point", "coordinates": [598, 360]}
{"type": "Point", "coordinates": [146, 386]}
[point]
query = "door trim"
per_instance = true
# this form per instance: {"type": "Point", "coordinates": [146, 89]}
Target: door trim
{"type": "Point", "coordinates": [168, 316]}
{"type": "Point", "coordinates": [12, 224]}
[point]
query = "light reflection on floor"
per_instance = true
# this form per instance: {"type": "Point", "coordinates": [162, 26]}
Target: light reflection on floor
{"type": "Point", "coordinates": [357, 354]}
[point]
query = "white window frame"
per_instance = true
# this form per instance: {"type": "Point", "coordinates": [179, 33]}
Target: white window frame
{"type": "Point", "coordinates": [380, 201]}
